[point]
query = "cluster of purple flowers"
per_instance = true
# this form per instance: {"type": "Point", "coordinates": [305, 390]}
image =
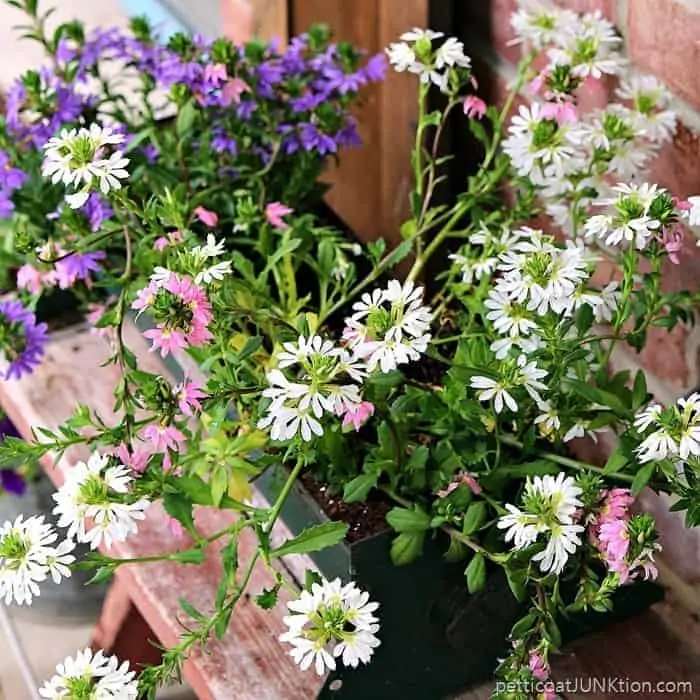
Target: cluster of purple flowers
{"type": "Point", "coordinates": [11, 481]}
{"type": "Point", "coordinates": [11, 179]}
{"type": "Point", "coordinates": [22, 339]}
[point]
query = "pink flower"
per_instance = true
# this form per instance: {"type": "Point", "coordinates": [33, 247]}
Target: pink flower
{"type": "Point", "coordinates": [616, 505]}
{"type": "Point", "coordinates": [31, 279]}
{"type": "Point", "coordinates": [164, 437]}
{"type": "Point", "coordinates": [188, 394]}
{"type": "Point", "coordinates": [274, 213]}
{"type": "Point", "coordinates": [232, 91]}
{"type": "Point", "coordinates": [474, 106]}
{"type": "Point", "coordinates": [215, 73]}
{"type": "Point", "coordinates": [175, 526]}
{"type": "Point", "coordinates": [166, 340]}
{"type": "Point", "coordinates": [208, 218]}
{"type": "Point", "coordinates": [681, 204]}
{"type": "Point", "coordinates": [461, 479]}
{"type": "Point", "coordinates": [137, 460]}
{"type": "Point", "coordinates": [538, 666]}
{"type": "Point", "coordinates": [172, 238]}
{"type": "Point", "coordinates": [537, 83]}
{"type": "Point", "coordinates": [673, 242]}
{"type": "Point", "coordinates": [561, 112]}
{"type": "Point", "coordinates": [615, 542]}
{"type": "Point", "coordinates": [358, 415]}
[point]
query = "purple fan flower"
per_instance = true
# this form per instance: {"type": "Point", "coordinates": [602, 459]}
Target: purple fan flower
{"type": "Point", "coordinates": [23, 339]}
{"type": "Point", "coordinates": [6, 205]}
{"type": "Point", "coordinates": [221, 143]}
{"type": "Point", "coordinates": [12, 482]}
{"type": "Point", "coordinates": [97, 210]}
{"type": "Point", "coordinates": [10, 178]}
{"type": "Point", "coordinates": [314, 140]}
{"type": "Point", "coordinates": [78, 266]}
{"type": "Point", "coordinates": [150, 153]}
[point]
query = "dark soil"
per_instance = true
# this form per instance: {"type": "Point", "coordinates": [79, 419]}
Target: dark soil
{"type": "Point", "coordinates": [365, 519]}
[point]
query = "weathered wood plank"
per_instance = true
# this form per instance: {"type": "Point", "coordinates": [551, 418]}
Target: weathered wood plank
{"type": "Point", "coordinates": [249, 664]}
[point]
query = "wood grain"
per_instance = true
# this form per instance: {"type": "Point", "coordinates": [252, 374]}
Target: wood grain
{"type": "Point", "coordinates": [249, 663]}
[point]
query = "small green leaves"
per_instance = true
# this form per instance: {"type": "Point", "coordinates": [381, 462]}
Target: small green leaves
{"type": "Point", "coordinates": [408, 520]}
{"type": "Point", "coordinates": [642, 477]}
{"type": "Point", "coordinates": [185, 118]}
{"type": "Point", "coordinates": [476, 573]}
{"type": "Point", "coordinates": [358, 489]}
{"type": "Point", "coordinates": [474, 517]}
{"type": "Point", "coordinates": [407, 547]}
{"type": "Point", "coordinates": [313, 539]}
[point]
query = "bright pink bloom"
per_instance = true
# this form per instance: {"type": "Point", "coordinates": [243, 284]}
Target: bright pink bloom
{"type": "Point", "coordinates": [188, 394]}
{"type": "Point", "coordinates": [136, 460]}
{"type": "Point", "coordinates": [208, 218]}
{"type": "Point", "coordinates": [673, 242]}
{"type": "Point", "coordinates": [215, 73]}
{"type": "Point", "coordinates": [474, 106]}
{"type": "Point", "coordinates": [232, 91]}
{"type": "Point", "coordinates": [681, 204]}
{"type": "Point", "coordinates": [274, 212]}
{"type": "Point", "coordinates": [175, 526]}
{"type": "Point", "coordinates": [359, 415]}
{"type": "Point", "coordinates": [33, 280]}
{"type": "Point", "coordinates": [166, 340]}
{"type": "Point", "coordinates": [538, 666]}
{"type": "Point", "coordinates": [561, 112]}
{"type": "Point", "coordinates": [616, 505]}
{"type": "Point", "coordinates": [164, 241]}
{"type": "Point", "coordinates": [146, 296]}
{"type": "Point", "coordinates": [537, 84]}
{"type": "Point", "coordinates": [615, 542]}
{"type": "Point", "coordinates": [164, 437]}
{"type": "Point", "coordinates": [461, 479]}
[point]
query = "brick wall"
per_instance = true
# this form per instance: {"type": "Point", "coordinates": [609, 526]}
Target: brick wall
{"type": "Point", "coordinates": [662, 37]}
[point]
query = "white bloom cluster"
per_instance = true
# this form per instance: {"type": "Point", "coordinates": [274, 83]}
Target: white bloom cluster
{"type": "Point", "coordinates": [629, 221]}
{"type": "Point", "coordinates": [89, 676]}
{"type": "Point", "coordinates": [512, 374]}
{"type": "Point", "coordinates": [414, 53]}
{"type": "Point", "coordinates": [90, 503]}
{"type": "Point", "coordinates": [331, 621]}
{"type": "Point", "coordinates": [76, 157]}
{"type": "Point", "coordinates": [549, 508]}
{"type": "Point", "coordinates": [200, 255]}
{"type": "Point", "coordinates": [676, 431]}
{"type": "Point", "coordinates": [328, 382]}
{"type": "Point", "coordinates": [29, 555]}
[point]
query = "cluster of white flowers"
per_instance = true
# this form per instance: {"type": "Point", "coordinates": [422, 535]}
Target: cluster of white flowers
{"type": "Point", "coordinates": [331, 621]}
{"type": "Point", "coordinates": [550, 507]}
{"type": "Point", "coordinates": [675, 431]}
{"type": "Point", "coordinates": [200, 256]}
{"type": "Point", "coordinates": [76, 157]}
{"type": "Point", "coordinates": [89, 676]}
{"type": "Point", "coordinates": [316, 376]}
{"type": "Point", "coordinates": [29, 555]}
{"type": "Point", "coordinates": [89, 503]}
{"type": "Point", "coordinates": [415, 54]}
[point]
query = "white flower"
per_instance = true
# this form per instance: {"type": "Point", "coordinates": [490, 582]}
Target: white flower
{"type": "Point", "coordinates": [508, 316]}
{"type": "Point", "coordinates": [416, 34]}
{"type": "Point", "coordinates": [331, 615]}
{"type": "Point", "coordinates": [647, 417]}
{"type": "Point", "coordinates": [90, 503]}
{"type": "Point", "coordinates": [312, 347]}
{"type": "Point", "coordinates": [577, 430]}
{"type": "Point", "coordinates": [522, 528]}
{"type": "Point", "coordinates": [609, 300]}
{"type": "Point", "coordinates": [451, 53]}
{"type": "Point", "coordinates": [563, 541]}
{"type": "Point", "coordinates": [389, 327]}
{"type": "Point", "coordinates": [657, 446]}
{"type": "Point", "coordinates": [496, 390]}
{"type": "Point", "coordinates": [694, 213]}
{"type": "Point", "coordinates": [87, 676]}
{"type": "Point", "coordinates": [401, 56]}
{"type": "Point", "coordinates": [215, 272]}
{"type": "Point", "coordinates": [548, 419]}
{"type": "Point", "coordinates": [111, 171]}
{"type": "Point", "coordinates": [28, 555]}
{"type": "Point", "coordinates": [540, 24]}
{"type": "Point", "coordinates": [211, 249]}
{"type": "Point", "coordinates": [160, 276]}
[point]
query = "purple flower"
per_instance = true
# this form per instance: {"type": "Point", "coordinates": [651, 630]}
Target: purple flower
{"type": "Point", "coordinates": [22, 339]}
{"type": "Point", "coordinates": [375, 68]}
{"type": "Point", "coordinates": [221, 143]}
{"type": "Point", "coordinates": [7, 429]}
{"type": "Point", "coordinates": [10, 178]}
{"type": "Point", "coordinates": [314, 140]}
{"type": "Point", "coordinates": [78, 266]}
{"type": "Point", "coordinates": [150, 153]}
{"type": "Point", "coordinates": [12, 482]}
{"type": "Point", "coordinates": [348, 135]}
{"type": "Point", "coordinates": [97, 210]}
{"type": "Point", "coordinates": [6, 205]}
{"type": "Point", "coordinates": [308, 102]}
{"type": "Point", "coordinates": [65, 52]}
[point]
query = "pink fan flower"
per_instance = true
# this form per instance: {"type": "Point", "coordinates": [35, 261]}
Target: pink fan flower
{"type": "Point", "coordinates": [358, 415]}
{"type": "Point", "coordinates": [232, 91]}
{"type": "Point", "coordinates": [164, 241]}
{"type": "Point", "coordinates": [215, 73]}
{"type": "Point", "coordinates": [561, 112]}
{"type": "Point", "coordinates": [208, 218]}
{"type": "Point", "coordinates": [166, 340]}
{"type": "Point", "coordinates": [32, 279]}
{"type": "Point", "coordinates": [175, 526]}
{"type": "Point", "coordinates": [538, 666]}
{"type": "Point", "coordinates": [274, 213]}
{"type": "Point", "coordinates": [673, 243]}
{"type": "Point", "coordinates": [137, 460]}
{"type": "Point", "coordinates": [461, 479]}
{"type": "Point", "coordinates": [164, 437]}
{"type": "Point", "coordinates": [615, 542]}
{"type": "Point", "coordinates": [537, 83]}
{"type": "Point", "coordinates": [187, 395]}
{"type": "Point", "coordinates": [474, 106]}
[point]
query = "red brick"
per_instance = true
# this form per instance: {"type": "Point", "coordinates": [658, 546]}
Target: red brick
{"type": "Point", "coordinates": [607, 7]}
{"type": "Point", "coordinates": [663, 38]}
{"type": "Point", "coordinates": [686, 275]}
{"type": "Point", "coordinates": [676, 167]}
{"type": "Point", "coordinates": [665, 357]}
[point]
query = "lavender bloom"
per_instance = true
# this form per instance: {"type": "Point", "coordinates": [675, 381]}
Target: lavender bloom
{"type": "Point", "coordinates": [7, 206]}
{"type": "Point", "coordinates": [314, 140]}
{"type": "Point", "coordinates": [221, 143]}
{"type": "Point", "coordinates": [308, 102]}
{"type": "Point", "coordinates": [150, 153]}
{"type": "Point", "coordinates": [348, 136]}
{"type": "Point", "coordinates": [12, 482]}
{"type": "Point", "coordinates": [97, 210]}
{"type": "Point", "coordinates": [78, 266]}
{"type": "Point", "coordinates": [10, 178]}
{"type": "Point", "coordinates": [23, 339]}
{"type": "Point", "coordinates": [375, 68]}
{"type": "Point", "coordinates": [65, 53]}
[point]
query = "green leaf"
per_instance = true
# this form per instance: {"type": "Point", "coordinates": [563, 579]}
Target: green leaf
{"type": "Point", "coordinates": [457, 551]}
{"type": "Point", "coordinates": [552, 633]}
{"type": "Point", "coordinates": [596, 395]}
{"type": "Point", "coordinates": [476, 573]}
{"type": "Point", "coordinates": [522, 626]}
{"type": "Point", "coordinates": [407, 547]}
{"type": "Point", "coordinates": [359, 488]}
{"type": "Point", "coordinates": [268, 598]}
{"type": "Point", "coordinates": [615, 462]}
{"type": "Point", "coordinates": [642, 477]}
{"type": "Point", "coordinates": [517, 582]}
{"type": "Point", "coordinates": [312, 539]}
{"type": "Point", "coordinates": [398, 254]}
{"type": "Point", "coordinates": [185, 119]}
{"type": "Point", "coordinates": [408, 229]}
{"type": "Point", "coordinates": [432, 119]}
{"type": "Point", "coordinates": [219, 485]}
{"type": "Point", "coordinates": [191, 610]}
{"type": "Point", "coordinates": [408, 520]}
{"type": "Point", "coordinates": [639, 391]}
{"type": "Point", "coordinates": [474, 517]}
{"type": "Point", "coordinates": [178, 506]}
{"type": "Point", "coordinates": [189, 556]}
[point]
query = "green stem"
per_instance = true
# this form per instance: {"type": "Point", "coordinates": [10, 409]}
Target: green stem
{"type": "Point", "coordinates": [277, 507]}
